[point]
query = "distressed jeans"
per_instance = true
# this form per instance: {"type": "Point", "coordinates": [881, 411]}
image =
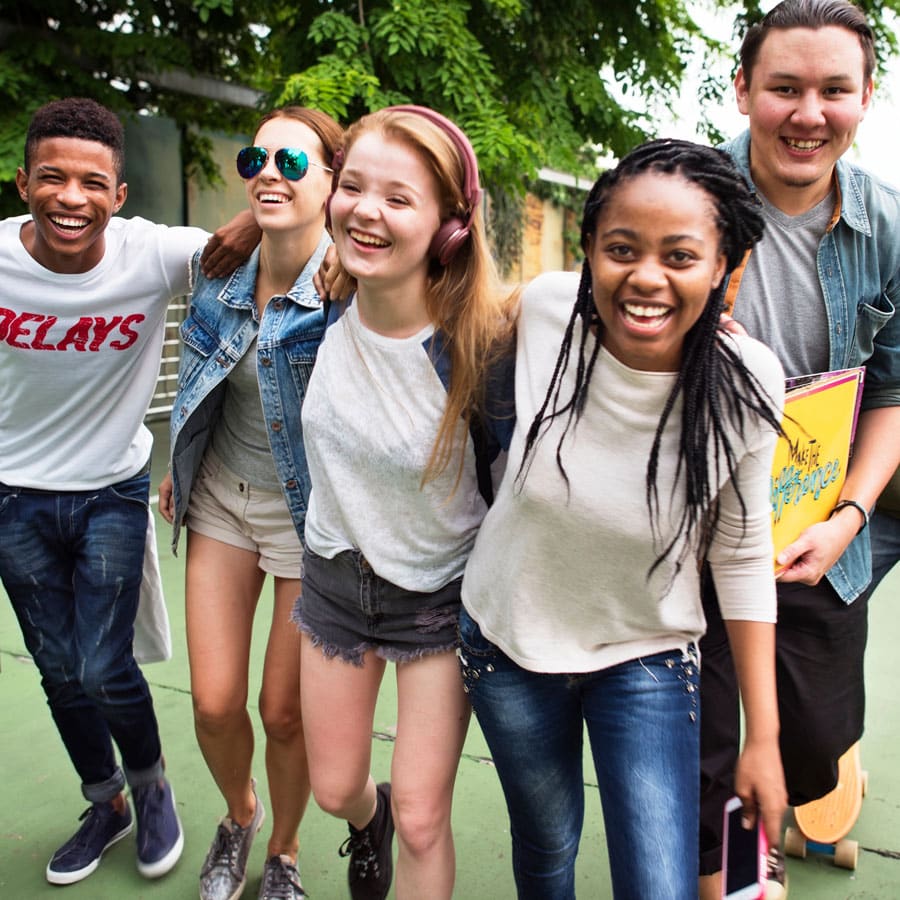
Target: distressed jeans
{"type": "Point", "coordinates": [643, 725]}
{"type": "Point", "coordinates": [71, 563]}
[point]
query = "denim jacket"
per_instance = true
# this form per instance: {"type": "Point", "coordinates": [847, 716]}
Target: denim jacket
{"type": "Point", "coordinates": [219, 329]}
{"type": "Point", "coordinates": [859, 270]}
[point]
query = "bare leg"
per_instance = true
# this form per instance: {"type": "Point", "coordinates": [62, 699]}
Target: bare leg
{"type": "Point", "coordinates": [433, 717]}
{"type": "Point", "coordinates": [711, 886]}
{"type": "Point", "coordinates": [223, 584]}
{"type": "Point", "coordinates": [338, 701]}
{"type": "Point", "coordinates": [279, 705]}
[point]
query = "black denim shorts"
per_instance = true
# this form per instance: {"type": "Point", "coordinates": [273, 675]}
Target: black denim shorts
{"type": "Point", "coordinates": [347, 609]}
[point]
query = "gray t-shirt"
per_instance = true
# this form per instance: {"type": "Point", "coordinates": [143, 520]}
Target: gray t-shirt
{"type": "Point", "coordinates": [780, 300]}
{"type": "Point", "coordinates": [240, 439]}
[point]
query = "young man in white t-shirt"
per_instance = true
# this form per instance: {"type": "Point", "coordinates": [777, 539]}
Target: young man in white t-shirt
{"type": "Point", "coordinates": [83, 300]}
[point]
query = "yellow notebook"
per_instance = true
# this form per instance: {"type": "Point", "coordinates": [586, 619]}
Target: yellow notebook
{"type": "Point", "coordinates": [810, 465]}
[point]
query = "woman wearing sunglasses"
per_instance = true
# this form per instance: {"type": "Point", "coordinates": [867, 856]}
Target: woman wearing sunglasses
{"type": "Point", "coordinates": [239, 483]}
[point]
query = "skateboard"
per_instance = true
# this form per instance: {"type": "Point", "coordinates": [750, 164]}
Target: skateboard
{"type": "Point", "coordinates": [823, 824]}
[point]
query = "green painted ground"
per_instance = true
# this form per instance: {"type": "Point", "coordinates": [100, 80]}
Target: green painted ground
{"type": "Point", "coordinates": [42, 803]}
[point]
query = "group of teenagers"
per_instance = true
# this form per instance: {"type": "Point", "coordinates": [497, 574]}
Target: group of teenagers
{"type": "Point", "coordinates": [549, 506]}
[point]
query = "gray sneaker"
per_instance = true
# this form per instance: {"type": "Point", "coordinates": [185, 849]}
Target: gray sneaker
{"type": "Point", "coordinates": [281, 880]}
{"type": "Point", "coordinates": [224, 871]}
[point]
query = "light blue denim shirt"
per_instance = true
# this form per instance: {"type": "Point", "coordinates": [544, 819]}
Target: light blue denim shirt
{"type": "Point", "coordinates": [859, 270]}
{"type": "Point", "coordinates": [219, 329]}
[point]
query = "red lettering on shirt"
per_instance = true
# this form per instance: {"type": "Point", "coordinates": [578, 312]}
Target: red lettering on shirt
{"type": "Point", "coordinates": [41, 333]}
{"type": "Point", "coordinates": [6, 316]}
{"type": "Point", "coordinates": [17, 329]}
{"type": "Point", "coordinates": [101, 329]}
{"type": "Point", "coordinates": [32, 331]}
{"type": "Point", "coordinates": [129, 335]}
{"type": "Point", "coordinates": [78, 335]}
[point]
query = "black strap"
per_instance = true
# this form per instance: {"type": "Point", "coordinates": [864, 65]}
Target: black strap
{"type": "Point", "coordinates": [482, 458]}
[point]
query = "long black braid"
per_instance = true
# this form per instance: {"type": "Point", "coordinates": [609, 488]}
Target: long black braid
{"type": "Point", "coordinates": [715, 386]}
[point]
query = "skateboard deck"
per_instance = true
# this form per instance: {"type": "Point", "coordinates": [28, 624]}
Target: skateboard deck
{"type": "Point", "coordinates": [823, 824]}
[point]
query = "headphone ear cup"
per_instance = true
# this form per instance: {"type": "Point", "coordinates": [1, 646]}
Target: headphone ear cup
{"type": "Point", "coordinates": [448, 241]}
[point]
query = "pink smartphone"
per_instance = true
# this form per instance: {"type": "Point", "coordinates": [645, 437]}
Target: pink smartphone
{"type": "Point", "coordinates": [743, 856]}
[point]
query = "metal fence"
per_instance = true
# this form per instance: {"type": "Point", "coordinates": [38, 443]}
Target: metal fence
{"type": "Point", "coordinates": [167, 380]}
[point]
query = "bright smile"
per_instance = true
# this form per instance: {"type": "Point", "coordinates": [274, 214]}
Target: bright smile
{"type": "Point", "coordinates": [69, 224]}
{"type": "Point", "coordinates": [368, 240]}
{"type": "Point", "coordinates": [803, 146]}
{"type": "Point", "coordinates": [644, 317]}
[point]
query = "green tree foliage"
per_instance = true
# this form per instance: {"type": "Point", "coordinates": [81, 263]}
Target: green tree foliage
{"type": "Point", "coordinates": [110, 49]}
{"type": "Point", "coordinates": [533, 82]}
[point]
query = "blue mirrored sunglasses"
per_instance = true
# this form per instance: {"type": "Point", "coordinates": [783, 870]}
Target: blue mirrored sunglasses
{"type": "Point", "coordinates": [292, 163]}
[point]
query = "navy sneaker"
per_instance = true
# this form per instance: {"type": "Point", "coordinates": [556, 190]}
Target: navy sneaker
{"type": "Point", "coordinates": [371, 863]}
{"type": "Point", "coordinates": [160, 838]}
{"type": "Point", "coordinates": [101, 827]}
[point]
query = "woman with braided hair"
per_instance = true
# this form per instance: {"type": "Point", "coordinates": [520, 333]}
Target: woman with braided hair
{"type": "Point", "coordinates": [643, 445]}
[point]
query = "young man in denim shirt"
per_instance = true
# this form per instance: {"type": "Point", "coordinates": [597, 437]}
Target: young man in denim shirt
{"type": "Point", "coordinates": [821, 289]}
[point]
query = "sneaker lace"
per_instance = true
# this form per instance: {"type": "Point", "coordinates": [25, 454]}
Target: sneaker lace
{"type": "Point", "coordinates": [92, 819]}
{"type": "Point", "coordinates": [224, 850]}
{"type": "Point", "coordinates": [358, 846]}
{"type": "Point", "coordinates": [281, 881]}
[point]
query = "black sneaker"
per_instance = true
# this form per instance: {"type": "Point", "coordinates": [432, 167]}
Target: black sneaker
{"type": "Point", "coordinates": [371, 863]}
{"type": "Point", "coordinates": [160, 838]}
{"type": "Point", "coordinates": [776, 877]}
{"type": "Point", "coordinates": [281, 880]}
{"type": "Point", "coordinates": [101, 827]}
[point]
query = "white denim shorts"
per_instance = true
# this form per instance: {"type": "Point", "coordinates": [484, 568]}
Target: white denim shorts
{"type": "Point", "coordinates": [227, 508]}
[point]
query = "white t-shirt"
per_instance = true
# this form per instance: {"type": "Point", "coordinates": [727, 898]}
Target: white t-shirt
{"type": "Point", "coordinates": [370, 418]}
{"type": "Point", "coordinates": [80, 354]}
{"type": "Point", "coordinates": [558, 579]}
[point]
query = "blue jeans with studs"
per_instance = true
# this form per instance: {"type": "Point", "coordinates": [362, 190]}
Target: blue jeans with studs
{"type": "Point", "coordinates": [642, 720]}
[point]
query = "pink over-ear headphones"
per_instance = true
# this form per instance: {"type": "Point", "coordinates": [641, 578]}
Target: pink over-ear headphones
{"type": "Point", "coordinates": [454, 232]}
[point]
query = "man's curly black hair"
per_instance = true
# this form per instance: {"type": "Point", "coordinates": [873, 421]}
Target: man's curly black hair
{"type": "Point", "coordinates": [77, 117]}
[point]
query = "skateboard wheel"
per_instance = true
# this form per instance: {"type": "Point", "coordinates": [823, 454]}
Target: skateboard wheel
{"type": "Point", "coordinates": [864, 782]}
{"type": "Point", "coordinates": [846, 854]}
{"type": "Point", "coordinates": [794, 842]}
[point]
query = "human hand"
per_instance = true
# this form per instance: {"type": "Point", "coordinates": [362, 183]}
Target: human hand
{"type": "Point", "coordinates": [230, 245]}
{"type": "Point", "coordinates": [167, 499]}
{"type": "Point", "coordinates": [818, 548]}
{"type": "Point", "coordinates": [759, 782]}
{"type": "Point", "coordinates": [731, 325]}
{"type": "Point", "coordinates": [332, 281]}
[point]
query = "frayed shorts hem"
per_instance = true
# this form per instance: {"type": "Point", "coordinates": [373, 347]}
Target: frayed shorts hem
{"type": "Point", "coordinates": [356, 655]}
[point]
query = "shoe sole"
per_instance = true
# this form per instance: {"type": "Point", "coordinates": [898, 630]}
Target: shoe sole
{"type": "Point", "coordinates": [167, 863]}
{"type": "Point", "coordinates": [55, 877]}
{"type": "Point", "coordinates": [237, 893]}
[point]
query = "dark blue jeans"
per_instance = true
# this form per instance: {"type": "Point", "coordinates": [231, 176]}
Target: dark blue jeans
{"type": "Point", "coordinates": [71, 563]}
{"type": "Point", "coordinates": [885, 546]}
{"type": "Point", "coordinates": [642, 720]}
